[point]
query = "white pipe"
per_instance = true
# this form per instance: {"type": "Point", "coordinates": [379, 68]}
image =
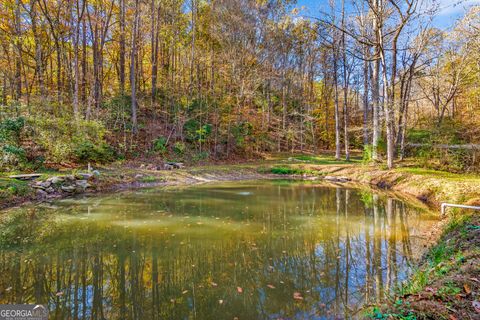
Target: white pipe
{"type": "Point", "coordinates": [445, 205]}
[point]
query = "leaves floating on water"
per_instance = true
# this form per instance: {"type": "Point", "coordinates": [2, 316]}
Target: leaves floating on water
{"type": "Point", "coordinates": [297, 296]}
{"type": "Point", "coordinates": [476, 306]}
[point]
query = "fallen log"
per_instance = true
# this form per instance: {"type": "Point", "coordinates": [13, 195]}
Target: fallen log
{"type": "Point", "coordinates": [30, 176]}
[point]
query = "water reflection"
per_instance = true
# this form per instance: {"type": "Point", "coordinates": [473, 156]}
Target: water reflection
{"type": "Point", "coordinates": [257, 250]}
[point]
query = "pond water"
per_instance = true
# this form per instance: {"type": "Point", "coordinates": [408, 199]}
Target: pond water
{"type": "Point", "coordinates": [246, 250]}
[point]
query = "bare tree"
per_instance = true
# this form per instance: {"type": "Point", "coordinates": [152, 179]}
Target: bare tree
{"type": "Point", "coordinates": [133, 55]}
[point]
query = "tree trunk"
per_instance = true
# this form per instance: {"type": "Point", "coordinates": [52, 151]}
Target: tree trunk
{"type": "Point", "coordinates": [122, 47]}
{"type": "Point", "coordinates": [18, 56]}
{"type": "Point", "coordinates": [133, 55]}
{"type": "Point", "coordinates": [365, 97]}
{"type": "Point", "coordinates": [376, 85]}
{"type": "Point", "coordinates": [345, 87]}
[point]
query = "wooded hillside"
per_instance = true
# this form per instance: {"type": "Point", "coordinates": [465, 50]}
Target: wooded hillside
{"type": "Point", "coordinates": [100, 80]}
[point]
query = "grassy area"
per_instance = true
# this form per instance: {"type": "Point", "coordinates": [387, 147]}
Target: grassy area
{"type": "Point", "coordinates": [11, 188]}
{"type": "Point", "coordinates": [325, 160]}
{"type": "Point", "coordinates": [447, 284]}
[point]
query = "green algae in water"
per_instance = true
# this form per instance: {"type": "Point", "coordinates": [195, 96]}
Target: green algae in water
{"type": "Point", "coordinates": [252, 250]}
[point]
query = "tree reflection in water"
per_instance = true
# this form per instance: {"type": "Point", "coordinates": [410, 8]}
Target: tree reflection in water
{"type": "Point", "coordinates": [187, 254]}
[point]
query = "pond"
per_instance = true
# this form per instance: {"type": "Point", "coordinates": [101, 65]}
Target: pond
{"type": "Point", "coordinates": [272, 249]}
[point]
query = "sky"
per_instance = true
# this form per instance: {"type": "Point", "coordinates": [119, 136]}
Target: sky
{"type": "Point", "coordinates": [449, 10]}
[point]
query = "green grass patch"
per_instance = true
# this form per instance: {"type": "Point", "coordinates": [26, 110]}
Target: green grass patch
{"type": "Point", "coordinates": [13, 188]}
{"type": "Point", "coordinates": [149, 179]}
{"type": "Point", "coordinates": [286, 170]}
{"type": "Point", "coordinates": [312, 159]}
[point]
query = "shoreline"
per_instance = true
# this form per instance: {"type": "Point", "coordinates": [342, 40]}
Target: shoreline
{"type": "Point", "coordinates": [420, 293]}
{"type": "Point", "coordinates": [122, 178]}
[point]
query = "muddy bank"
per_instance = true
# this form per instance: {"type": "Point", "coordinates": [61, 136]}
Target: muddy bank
{"type": "Point", "coordinates": [109, 179]}
{"type": "Point", "coordinates": [429, 186]}
{"type": "Point", "coordinates": [447, 282]}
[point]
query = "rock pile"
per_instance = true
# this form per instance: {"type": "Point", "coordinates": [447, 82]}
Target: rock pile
{"type": "Point", "coordinates": [69, 184]}
{"type": "Point", "coordinates": [166, 166]}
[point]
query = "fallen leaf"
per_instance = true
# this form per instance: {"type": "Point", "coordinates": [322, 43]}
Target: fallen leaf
{"type": "Point", "coordinates": [239, 290]}
{"type": "Point", "coordinates": [271, 286]}
{"type": "Point", "coordinates": [476, 306]}
{"type": "Point", "coordinates": [467, 289]}
{"type": "Point", "coordinates": [452, 317]}
{"type": "Point", "coordinates": [430, 289]}
{"type": "Point", "coordinates": [213, 284]}
{"type": "Point", "coordinates": [297, 296]}
{"type": "Point", "coordinates": [185, 291]}
{"type": "Point", "coordinates": [220, 301]}
{"type": "Point", "coordinates": [59, 294]}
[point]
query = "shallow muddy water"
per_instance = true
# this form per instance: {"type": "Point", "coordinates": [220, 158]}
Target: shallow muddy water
{"type": "Point", "coordinates": [252, 250]}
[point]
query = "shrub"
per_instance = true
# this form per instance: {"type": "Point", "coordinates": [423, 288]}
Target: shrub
{"type": "Point", "coordinates": [12, 155]}
{"type": "Point", "coordinates": [160, 145]}
{"type": "Point", "coordinates": [241, 132]}
{"type": "Point", "coordinates": [11, 128]}
{"type": "Point", "coordinates": [86, 151]}
{"type": "Point", "coordinates": [367, 154]}
{"type": "Point", "coordinates": [179, 148]}
{"type": "Point", "coordinates": [196, 132]}
{"type": "Point", "coordinates": [200, 156]}
{"type": "Point", "coordinates": [63, 138]}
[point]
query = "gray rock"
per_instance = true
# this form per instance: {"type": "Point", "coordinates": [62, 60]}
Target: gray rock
{"type": "Point", "coordinates": [337, 179]}
{"type": "Point", "coordinates": [50, 190]}
{"type": "Point", "coordinates": [176, 165]}
{"type": "Point", "coordinates": [82, 185]}
{"type": "Point", "coordinates": [151, 167]}
{"type": "Point", "coordinates": [85, 176]}
{"type": "Point", "coordinates": [167, 166]}
{"type": "Point", "coordinates": [38, 185]}
{"type": "Point", "coordinates": [69, 189]}
{"type": "Point", "coordinates": [70, 177]}
{"type": "Point", "coordinates": [46, 184]}
{"type": "Point", "coordinates": [56, 179]}
{"type": "Point", "coordinates": [41, 193]}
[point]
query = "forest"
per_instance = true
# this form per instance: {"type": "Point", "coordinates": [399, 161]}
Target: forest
{"type": "Point", "coordinates": [197, 80]}
{"type": "Point", "coordinates": [240, 159]}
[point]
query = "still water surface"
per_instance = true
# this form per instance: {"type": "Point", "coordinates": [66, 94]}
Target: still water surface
{"type": "Point", "coordinates": [251, 250]}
